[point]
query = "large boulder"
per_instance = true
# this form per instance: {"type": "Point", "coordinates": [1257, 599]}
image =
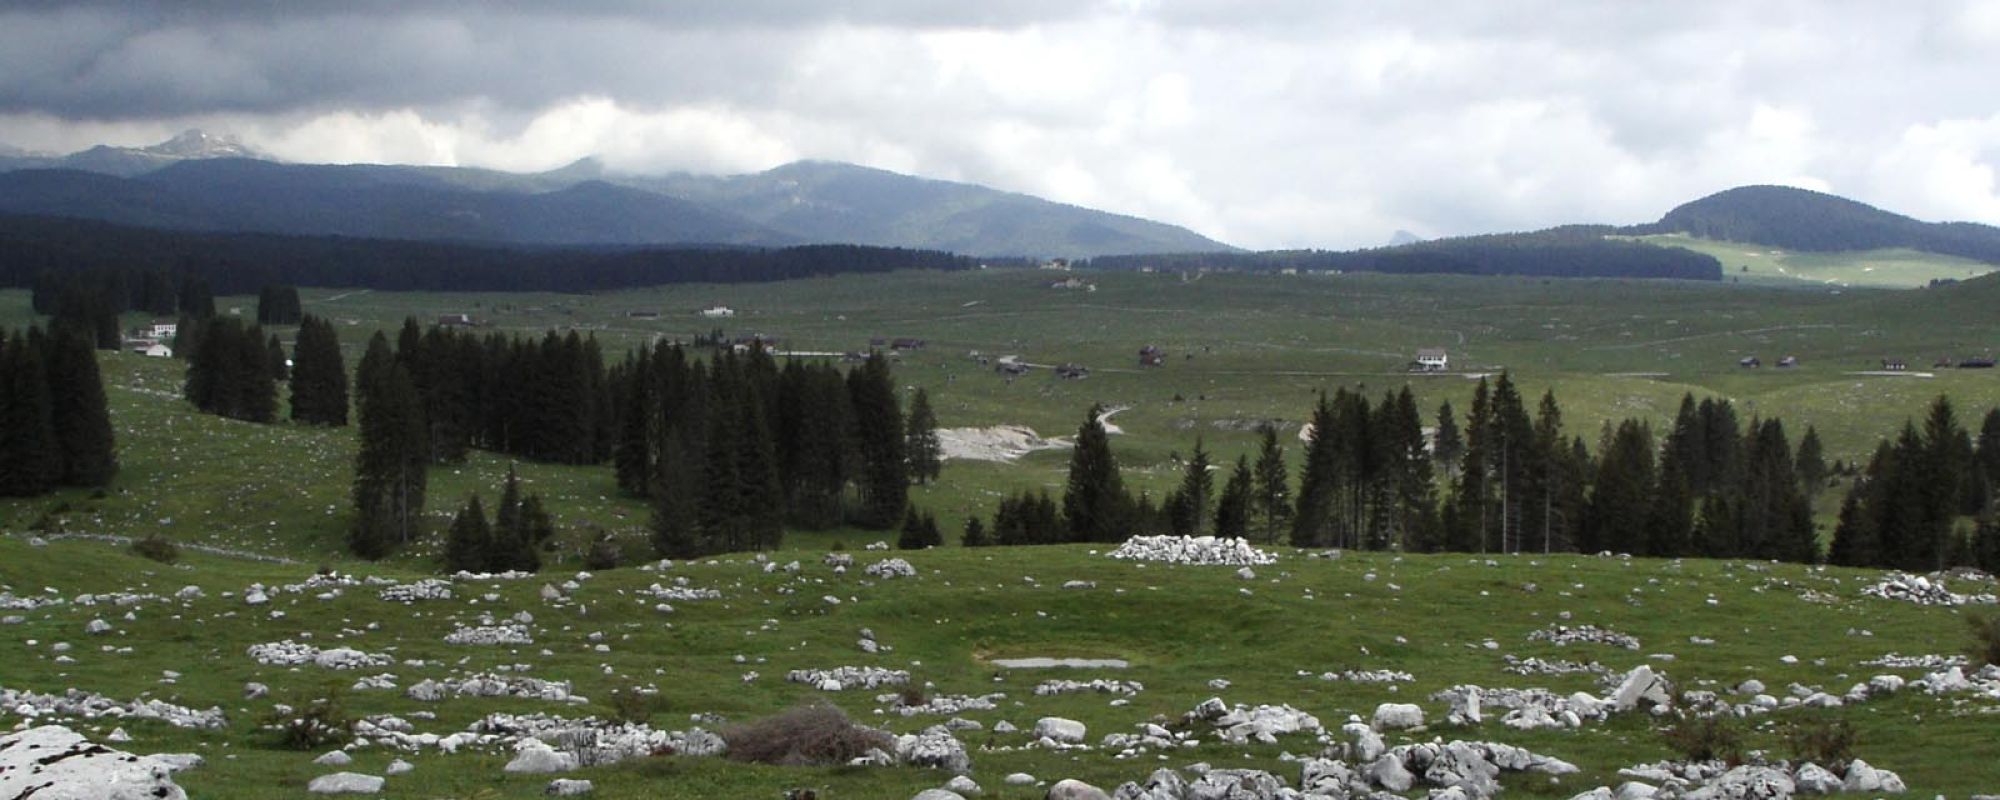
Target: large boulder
{"type": "Point", "coordinates": [565, 787]}
{"type": "Point", "coordinates": [938, 794]}
{"type": "Point", "coordinates": [1814, 779]}
{"type": "Point", "coordinates": [1066, 731]}
{"type": "Point", "coordinates": [54, 763]}
{"type": "Point", "coordinates": [1073, 789]}
{"type": "Point", "coordinates": [1866, 779]}
{"type": "Point", "coordinates": [934, 747]}
{"type": "Point", "coordinates": [1747, 783]}
{"type": "Point", "coordinates": [346, 783]}
{"type": "Point", "coordinates": [1397, 716]}
{"type": "Point", "coordinates": [534, 758]}
{"type": "Point", "coordinates": [1642, 690]}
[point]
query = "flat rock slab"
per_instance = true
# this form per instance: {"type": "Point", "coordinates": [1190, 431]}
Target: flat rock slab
{"type": "Point", "coordinates": [55, 763]}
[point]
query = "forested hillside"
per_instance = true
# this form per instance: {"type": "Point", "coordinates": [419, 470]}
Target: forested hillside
{"type": "Point", "coordinates": [1800, 219]}
{"type": "Point", "coordinates": [1570, 252]}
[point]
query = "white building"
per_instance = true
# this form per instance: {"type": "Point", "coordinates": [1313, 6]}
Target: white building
{"type": "Point", "coordinates": [715, 312]}
{"type": "Point", "coordinates": [1432, 359]}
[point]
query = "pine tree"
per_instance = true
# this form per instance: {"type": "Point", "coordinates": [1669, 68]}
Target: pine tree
{"type": "Point", "coordinates": [275, 356]}
{"type": "Point", "coordinates": [912, 535]}
{"type": "Point", "coordinates": [1198, 491]}
{"type": "Point", "coordinates": [196, 300]}
{"type": "Point", "coordinates": [1622, 495]}
{"type": "Point", "coordinates": [1670, 520]}
{"type": "Point", "coordinates": [1271, 492]}
{"type": "Point", "coordinates": [1094, 504]}
{"type": "Point", "coordinates": [975, 533]}
{"type": "Point", "coordinates": [1811, 465]}
{"type": "Point", "coordinates": [469, 542]}
{"type": "Point", "coordinates": [319, 375]}
{"type": "Point", "coordinates": [1232, 509]}
{"type": "Point", "coordinates": [278, 305]}
{"type": "Point", "coordinates": [1447, 446]}
{"type": "Point", "coordinates": [1986, 542]}
{"type": "Point", "coordinates": [29, 458]}
{"type": "Point", "coordinates": [389, 479]}
{"type": "Point", "coordinates": [1313, 516]}
{"type": "Point", "coordinates": [79, 414]}
{"type": "Point", "coordinates": [921, 440]}
{"type": "Point", "coordinates": [879, 432]}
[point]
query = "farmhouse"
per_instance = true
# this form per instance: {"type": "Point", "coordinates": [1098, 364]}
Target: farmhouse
{"type": "Point", "coordinates": [159, 330]}
{"type": "Point", "coordinates": [642, 314]}
{"type": "Point", "coordinates": [1151, 356]}
{"type": "Point", "coordinates": [906, 344]}
{"type": "Point", "coordinates": [1750, 362]}
{"type": "Point", "coordinates": [1072, 372]}
{"type": "Point", "coordinates": [152, 349]}
{"type": "Point", "coordinates": [457, 321]}
{"type": "Point", "coordinates": [718, 312]}
{"type": "Point", "coordinates": [1788, 361]}
{"type": "Point", "coordinates": [1432, 359]}
{"type": "Point", "coordinates": [1895, 364]}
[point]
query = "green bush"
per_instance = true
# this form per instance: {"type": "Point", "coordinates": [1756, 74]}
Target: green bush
{"type": "Point", "coordinates": [312, 723]}
{"type": "Point", "coordinates": [632, 705]}
{"type": "Point", "coordinates": [1985, 639]}
{"type": "Point", "coordinates": [1828, 743]}
{"type": "Point", "coordinates": [158, 547]}
{"type": "Point", "coordinates": [1705, 739]}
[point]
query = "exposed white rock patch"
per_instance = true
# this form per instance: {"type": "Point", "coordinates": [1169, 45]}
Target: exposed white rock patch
{"type": "Point", "coordinates": [1201, 550]}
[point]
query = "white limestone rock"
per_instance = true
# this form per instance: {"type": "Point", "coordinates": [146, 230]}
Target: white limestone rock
{"type": "Point", "coordinates": [346, 783]}
{"type": "Point", "coordinates": [52, 762]}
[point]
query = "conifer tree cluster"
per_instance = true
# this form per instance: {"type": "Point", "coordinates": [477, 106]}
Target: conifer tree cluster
{"type": "Point", "coordinates": [512, 541]}
{"type": "Point", "coordinates": [732, 449]}
{"type": "Point", "coordinates": [319, 375]}
{"type": "Point", "coordinates": [55, 428]}
{"type": "Point", "coordinates": [278, 305]}
{"type": "Point", "coordinates": [1906, 509]}
{"type": "Point", "coordinates": [544, 400]}
{"type": "Point", "coordinates": [1367, 479]}
{"type": "Point", "coordinates": [920, 530]}
{"type": "Point", "coordinates": [229, 370]}
{"type": "Point", "coordinates": [91, 300]}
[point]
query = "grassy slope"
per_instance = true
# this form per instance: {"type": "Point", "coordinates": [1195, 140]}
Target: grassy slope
{"type": "Point", "coordinates": [1181, 627]}
{"type": "Point", "coordinates": [1895, 269]}
{"type": "Point", "coordinates": [1261, 346]}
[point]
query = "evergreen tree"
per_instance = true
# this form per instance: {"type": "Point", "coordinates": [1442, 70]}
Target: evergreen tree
{"type": "Point", "coordinates": [1197, 491]}
{"type": "Point", "coordinates": [389, 478]}
{"type": "Point", "coordinates": [1986, 542]}
{"type": "Point", "coordinates": [1811, 465]}
{"type": "Point", "coordinates": [274, 355]}
{"type": "Point", "coordinates": [1670, 521]}
{"type": "Point", "coordinates": [1856, 542]}
{"type": "Point", "coordinates": [319, 375]}
{"type": "Point", "coordinates": [536, 523]}
{"type": "Point", "coordinates": [912, 536]}
{"type": "Point", "coordinates": [921, 440]}
{"type": "Point", "coordinates": [79, 414]}
{"type": "Point", "coordinates": [197, 301]}
{"type": "Point", "coordinates": [1094, 504]}
{"type": "Point", "coordinates": [1232, 510]}
{"type": "Point", "coordinates": [469, 541]}
{"type": "Point", "coordinates": [879, 432]}
{"type": "Point", "coordinates": [1271, 493]}
{"type": "Point", "coordinates": [1447, 446]}
{"type": "Point", "coordinates": [278, 305]}
{"type": "Point", "coordinates": [1621, 498]}
{"type": "Point", "coordinates": [29, 459]}
{"type": "Point", "coordinates": [975, 533]}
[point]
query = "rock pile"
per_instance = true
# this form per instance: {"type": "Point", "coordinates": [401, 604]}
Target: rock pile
{"type": "Point", "coordinates": [1538, 666]}
{"type": "Point", "coordinates": [1202, 550]}
{"type": "Point", "coordinates": [55, 762]}
{"type": "Point", "coordinates": [681, 592]}
{"type": "Point", "coordinates": [489, 685]}
{"type": "Point", "coordinates": [1561, 635]}
{"type": "Point", "coordinates": [506, 634]}
{"type": "Point", "coordinates": [79, 704]}
{"type": "Point", "coordinates": [1368, 676]}
{"type": "Point", "coordinates": [891, 568]}
{"type": "Point", "coordinates": [1100, 686]}
{"type": "Point", "coordinates": [840, 679]}
{"type": "Point", "coordinates": [426, 589]}
{"type": "Point", "coordinates": [1457, 770]}
{"type": "Point", "coordinates": [941, 704]}
{"type": "Point", "coordinates": [1923, 591]}
{"type": "Point", "coordinates": [1715, 780]}
{"type": "Point", "coordinates": [291, 654]}
{"type": "Point", "coordinates": [934, 747]}
{"type": "Point", "coordinates": [1241, 723]}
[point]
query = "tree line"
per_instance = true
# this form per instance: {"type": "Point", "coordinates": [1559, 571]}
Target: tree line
{"type": "Point", "coordinates": [1507, 481]}
{"type": "Point", "coordinates": [1568, 252]}
{"type": "Point", "coordinates": [39, 251]}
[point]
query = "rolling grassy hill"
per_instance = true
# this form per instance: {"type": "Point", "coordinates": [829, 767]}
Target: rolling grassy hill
{"type": "Point", "coordinates": [1241, 348]}
{"type": "Point", "coordinates": [1900, 268]}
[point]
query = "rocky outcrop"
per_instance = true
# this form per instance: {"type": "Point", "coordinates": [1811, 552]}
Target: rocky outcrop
{"type": "Point", "coordinates": [55, 763]}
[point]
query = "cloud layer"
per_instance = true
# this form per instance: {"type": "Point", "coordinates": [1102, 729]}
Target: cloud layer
{"type": "Point", "coordinates": [1281, 124]}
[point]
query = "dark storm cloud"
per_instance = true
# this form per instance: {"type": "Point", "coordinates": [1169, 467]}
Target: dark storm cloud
{"type": "Point", "coordinates": [1300, 122]}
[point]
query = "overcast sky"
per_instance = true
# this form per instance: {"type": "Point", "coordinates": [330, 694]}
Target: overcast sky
{"type": "Point", "coordinates": [1281, 124]}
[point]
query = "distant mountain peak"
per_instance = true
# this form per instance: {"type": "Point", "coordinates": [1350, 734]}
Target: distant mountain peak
{"type": "Point", "coordinates": [1402, 237]}
{"type": "Point", "coordinates": [197, 143]}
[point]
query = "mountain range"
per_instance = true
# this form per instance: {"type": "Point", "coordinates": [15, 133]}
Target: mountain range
{"type": "Point", "coordinates": [198, 182]}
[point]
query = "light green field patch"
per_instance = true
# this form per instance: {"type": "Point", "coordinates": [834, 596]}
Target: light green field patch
{"type": "Point", "coordinates": [1897, 268]}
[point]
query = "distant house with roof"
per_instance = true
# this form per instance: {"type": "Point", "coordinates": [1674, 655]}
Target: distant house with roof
{"type": "Point", "coordinates": [1432, 359]}
{"type": "Point", "coordinates": [718, 312]}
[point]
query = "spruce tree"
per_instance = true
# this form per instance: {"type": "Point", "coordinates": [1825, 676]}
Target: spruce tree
{"type": "Point", "coordinates": [196, 300]}
{"type": "Point", "coordinates": [1313, 516]}
{"type": "Point", "coordinates": [319, 375]}
{"type": "Point", "coordinates": [278, 305]}
{"type": "Point", "coordinates": [1271, 499]}
{"type": "Point", "coordinates": [469, 542]}
{"type": "Point", "coordinates": [975, 533]}
{"type": "Point", "coordinates": [912, 535]}
{"type": "Point", "coordinates": [1232, 509]}
{"type": "Point", "coordinates": [921, 440]}
{"type": "Point", "coordinates": [389, 478]}
{"type": "Point", "coordinates": [29, 458]}
{"type": "Point", "coordinates": [1095, 506]}
{"type": "Point", "coordinates": [275, 356]}
{"type": "Point", "coordinates": [879, 432]}
{"type": "Point", "coordinates": [1811, 465]}
{"type": "Point", "coordinates": [80, 416]}
{"type": "Point", "coordinates": [1986, 542]}
{"type": "Point", "coordinates": [1622, 495]}
{"type": "Point", "coordinates": [1198, 491]}
{"type": "Point", "coordinates": [1447, 446]}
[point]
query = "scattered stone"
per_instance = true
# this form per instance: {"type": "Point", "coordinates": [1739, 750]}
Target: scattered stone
{"type": "Point", "coordinates": [568, 787]}
{"type": "Point", "coordinates": [1058, 729]}
{"type": "Point", "coordinates": [840, 679]}
{"type": "Point", "coordinates": [335, 758]}
{"type": "Point", "coordinates": [891, 568]}
{"type": "Point", "coordinates": [346, 783]}
{"type": "Point", "coordinates": [1397, 716]}
{"type": "Point", "coordinates": [1561, 635]}
{"type": "Point", "coordinates": [1923, 591]}
{"type": "Point", "coordinates": [1072, 789]}
{"type": "Point", "coordinates": [533, 757]}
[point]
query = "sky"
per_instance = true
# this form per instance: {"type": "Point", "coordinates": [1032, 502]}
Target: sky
{"type": "Point", "coordinates": [1292, 123]}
